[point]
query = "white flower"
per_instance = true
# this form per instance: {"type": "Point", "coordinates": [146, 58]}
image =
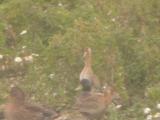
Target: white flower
{"type": "Point", "coordinates": [28, 58]}
{"type": "Point", "coordinates": [1, 56]}
{"type": "Point", "coordinates": [118, 106]}
{"type": "Point", "coordinates": [104, 87]}
{"type": "Point", "coordinates": [34, 54]}
{"type": "Point", "coordinates": [158, 106]}
{"type": "Point", "coordinates": [60, 4]}
{"type": "Point", "coordinates": [157, 115]}
{"type": "Point", "coordinates": [24, 47]}
{"type": "Point", "coordinates": [18, 59]}
{"type": "Point", "coordinates": [147, 110]}
{"type": "Point", "coordinates": [51, 76]}
{"type": "Point", "coordinates": [23, 32]}
{"type": "Point", "coordinates": [113, 19]}
{"type": "Point", "coordinates": [149, 117]}
{"type": "Point", "coordinates": [78, 88]}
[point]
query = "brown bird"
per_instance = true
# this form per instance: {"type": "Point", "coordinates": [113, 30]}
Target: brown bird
{"type": "Point", "coordinates": [87, 76]}
{"type": "Point", "coordinates": [93, 104]}
{"type": "Point", "coordinates": [18, 109]}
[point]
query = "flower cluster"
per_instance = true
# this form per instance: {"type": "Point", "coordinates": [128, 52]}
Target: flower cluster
{"type": "Point", "coordinates": [152, 115]}
{"type": "Point", "coordinates": [7, 62]}
{"type": "Point", "coordinates": [27, 58]}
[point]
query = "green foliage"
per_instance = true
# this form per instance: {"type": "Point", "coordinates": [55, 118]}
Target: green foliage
{"type": "Point", "coordinates": [153, 93]}
{"type": "Point", "coordinates": [123, 34]}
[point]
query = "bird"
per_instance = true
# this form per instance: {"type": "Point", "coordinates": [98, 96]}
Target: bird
{"type": "Point", "coordinates": [93, 104]}
{"type": "Point", "coordinates": [87, 76]}
{"type": "Point", "coordinates": [18, 109]}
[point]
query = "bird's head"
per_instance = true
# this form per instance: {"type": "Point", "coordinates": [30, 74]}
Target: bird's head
{"type": "Point", "coordinates": [87, 53]}
{"type": "Point", "coordinates": [87, 56]}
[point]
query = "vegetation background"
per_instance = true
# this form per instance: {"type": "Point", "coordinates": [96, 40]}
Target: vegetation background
{"type": "Point", "coordinates": [123, 34]}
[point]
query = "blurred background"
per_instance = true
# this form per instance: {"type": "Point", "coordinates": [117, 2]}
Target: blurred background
{"type": "Point", "coordinates": [42, 44]}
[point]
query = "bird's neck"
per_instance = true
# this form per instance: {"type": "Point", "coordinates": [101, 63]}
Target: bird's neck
{"type": "Point", "coordinates": [88, 61]}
